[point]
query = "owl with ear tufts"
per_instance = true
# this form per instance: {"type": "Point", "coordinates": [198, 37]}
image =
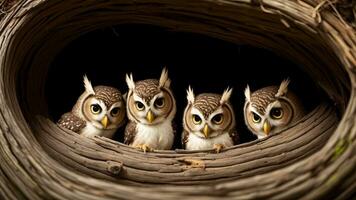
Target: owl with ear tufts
{"type": "Point", "coordinates": [151, 108]}
{"type": "Point", "coordinates": [209, 122]}
{"type": "Point", "coordinates": [99, 111]}
{"type": "Point", "coordinates": [271, 109]}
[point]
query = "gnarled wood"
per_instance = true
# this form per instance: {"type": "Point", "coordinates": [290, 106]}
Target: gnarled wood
{"type": "Point", "coordinates": [299, 141]}
{"type": "Point", "coordinates": [314, 159]}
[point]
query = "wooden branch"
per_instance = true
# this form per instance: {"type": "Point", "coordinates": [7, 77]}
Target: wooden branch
{"type": "Point", "coordinates": [306, 136]}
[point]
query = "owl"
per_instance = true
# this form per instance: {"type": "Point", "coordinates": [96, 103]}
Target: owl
{"type": "Point", "coordinates": [151, 108]}
{"type": "Point", "coordinates": [271, 109]}
{"type": "Point", "coordinates": [98, 111]}
{"type": "Point", "coordinates": [209, 122]}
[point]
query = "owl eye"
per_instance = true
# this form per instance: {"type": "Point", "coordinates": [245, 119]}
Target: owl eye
{"type": "Point", "coordinates": [256, 118]}
{"type": "Point", "coordinates": [196, 119]}
{"type": "Point", "coordinates": [95, 108]}
{"type": "Point", "coordinates": [218, 119]}
{"type": "Point", "coordinates": [159, 103]}
{"type": "Point", "coordinates": [276, 113]}
{"type": "Point", "coordinates": [139, 106]}
{"type": "Point", "coordinates": [115, 111]}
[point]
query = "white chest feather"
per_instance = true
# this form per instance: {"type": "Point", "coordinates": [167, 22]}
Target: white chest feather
{"type": "Point", "coordinates": [91, 131]}
{"type": "Point", "coordinates": [197, 143]}
{"type": "Point", "coordinates": [157, 137]}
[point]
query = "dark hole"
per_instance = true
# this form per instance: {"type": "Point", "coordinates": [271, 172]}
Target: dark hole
{"type": "Point", "coordinates": [207, 64]}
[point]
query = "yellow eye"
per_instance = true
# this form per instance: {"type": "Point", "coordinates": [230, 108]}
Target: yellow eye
{"type": "Point", "coordinates": [159, 103]}
{"type": "Point", "coordinates": [139, 106]}
{"type": "Point", "coordinates": [256, 118]}
{"type": "Point", "coordinates": [115, 111]}
{"type": "Point", "coordinates": [196, 119]}
{"type": "Point", "coordinates": [276, 113]}
{"type": "Point", "coordinates": [218, 119]}
{"type": "Point", "coordinates": [95, 108]}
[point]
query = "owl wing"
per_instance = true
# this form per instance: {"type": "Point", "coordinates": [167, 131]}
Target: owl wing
{"type": "Point", "coordinates": [71, 122]}
{"type": "Point", "coordinates": [185, 135]}
{"type": "Point", "coordinates": [130, 133]}
{"type": "Point", "coordinates": [234, 136]}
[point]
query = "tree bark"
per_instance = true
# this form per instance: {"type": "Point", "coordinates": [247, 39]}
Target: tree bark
{"type": "Point", "coordinates": [313, 159]}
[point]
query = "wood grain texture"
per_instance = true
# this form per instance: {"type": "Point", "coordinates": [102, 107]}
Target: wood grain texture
{"type": "Point", "coordinates": [314, 159]}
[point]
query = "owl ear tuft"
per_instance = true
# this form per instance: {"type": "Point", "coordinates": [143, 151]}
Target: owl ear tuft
{"type": "Point", "coordinates": [283, 88]}
{"type": "Point", "coordinates": [190, 95]}
{"type": "Point", "coordinates": [87, 85]}
{"type": "Point", "coordinates": [248, 93]}
{"type": "Point", "coordinates": [226, 95]}
{"type": "Point", "coordinates": [164, 81]}
{"type": "Point", "coordinates": [130, 82]}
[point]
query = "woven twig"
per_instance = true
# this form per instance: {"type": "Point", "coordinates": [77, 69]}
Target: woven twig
{"type": "Point", "coordinates": [5, 6]}
{"type": "Point", "coordinates": [314, 159]}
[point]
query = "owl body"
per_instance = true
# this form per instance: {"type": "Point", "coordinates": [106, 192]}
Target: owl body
{"type": "Point", "coordinates": [160, 136]}
{"type": "Point", "coordinates": [99, 111]}
{"type": "Point", "coordinates": [209, 122]}
{"type": "Point", "coordinates": [271, 109]}
{"type": "Point", "coordinates": [90, 131]}
{"type": "Point", "coordinates": [151, 108]}
{"type": "Point", "coordinates": [195, 142]}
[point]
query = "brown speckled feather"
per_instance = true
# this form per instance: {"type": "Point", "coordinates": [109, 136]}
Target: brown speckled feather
{"type": "Point", "coordinates": [130, 133]}
{"type": "Point", "coordinates": [71, 122]}
{"type": "Point", "coordinates": [108, 95]}
{"type": "Point", "coordinates": [207, 103]}
{"type": "Point", "coordinates": [147, 89]}
{"type": "Point", "coordinates": [262, 98]}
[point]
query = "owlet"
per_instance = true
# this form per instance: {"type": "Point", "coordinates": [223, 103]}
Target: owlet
{"type": "Point", "coordinates": [151, 108]}
{"type": "Point", "coordinates": [209, 122]}
{"type": "Point", "coordinates": [99, 111]}
{"type": "Point", "coordinates": [271, 109]}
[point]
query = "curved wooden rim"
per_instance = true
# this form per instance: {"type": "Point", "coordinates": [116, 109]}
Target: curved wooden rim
{"type": "Point", "coordinates": [313, 159]}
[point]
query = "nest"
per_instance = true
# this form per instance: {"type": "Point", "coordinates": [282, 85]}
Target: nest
{"type": "Point", "coordinates": [313, 159]}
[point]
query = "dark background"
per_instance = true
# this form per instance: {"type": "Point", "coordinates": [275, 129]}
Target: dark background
{"type": "Point", "coordinates": [207, 64]}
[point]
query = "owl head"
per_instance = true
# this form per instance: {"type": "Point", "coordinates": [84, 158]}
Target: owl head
{"type": "Point", "coordinates": [208, 115]}
{"type": "Point", "coordinates": [150, 101]}
{"type": "Point", "coordinates": [271, 109]}
{"type": "Point", "coordinates": [101, 106]}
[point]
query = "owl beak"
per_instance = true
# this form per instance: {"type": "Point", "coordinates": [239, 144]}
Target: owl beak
{"type": "Point", "coordinates": [105, 121]}
{"type": "Point", "coordinates": [206, 130]}
{"type": "Point", "coordinates": [150, 117]}
{"type": "Point", "coordinates": [267, 127]}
